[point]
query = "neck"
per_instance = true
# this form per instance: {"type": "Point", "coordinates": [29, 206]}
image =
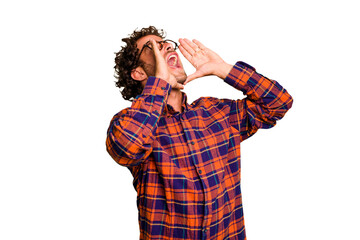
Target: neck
{"type": "Point", "coordinates": [175, 99]}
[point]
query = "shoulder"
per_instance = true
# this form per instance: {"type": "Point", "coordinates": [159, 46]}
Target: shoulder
{"type": "Point", "coordinates": [210, 102]}
{"type": "Point", "coordinates": [204, 101]}
{"type": "Point", "coordinates": [120, 114]}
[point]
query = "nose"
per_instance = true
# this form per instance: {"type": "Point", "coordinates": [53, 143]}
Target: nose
{"type": "Point", "coordinates": [168, 47]}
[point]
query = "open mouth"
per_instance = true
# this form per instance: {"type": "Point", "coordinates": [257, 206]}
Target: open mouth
{"type": "Point", "coordinates": [172, 60]}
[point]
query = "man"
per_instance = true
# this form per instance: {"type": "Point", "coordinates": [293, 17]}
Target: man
{"type": "Point", "coordinates": [185, 158]}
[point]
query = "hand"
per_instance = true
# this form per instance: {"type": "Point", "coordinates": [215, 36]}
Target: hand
{"type": "Point", "coordinates": [205, 61]}
{"type": "Point", "coordinates": [162, 70]}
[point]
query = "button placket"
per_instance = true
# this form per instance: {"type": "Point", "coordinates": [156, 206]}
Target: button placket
{"type": "Point", "coordinates": [191, 137]}
{"type": "Point", "coordinates": [204, 231]}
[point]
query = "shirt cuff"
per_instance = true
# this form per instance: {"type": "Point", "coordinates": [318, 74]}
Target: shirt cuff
{"type": "Point", "coordinates": [239, 76]}
{"type": "Point", "coordinates": [156, 86]}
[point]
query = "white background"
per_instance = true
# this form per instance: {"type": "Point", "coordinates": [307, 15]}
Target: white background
{"type": "Point", "coordinates": [300, 180]}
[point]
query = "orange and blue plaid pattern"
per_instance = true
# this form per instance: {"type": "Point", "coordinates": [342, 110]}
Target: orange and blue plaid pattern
{"type": "Point", "coordinates": [186, 166]}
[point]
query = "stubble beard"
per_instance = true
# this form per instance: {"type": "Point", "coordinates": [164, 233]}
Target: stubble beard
{"type": "Point", "coordinates": [180, 76]}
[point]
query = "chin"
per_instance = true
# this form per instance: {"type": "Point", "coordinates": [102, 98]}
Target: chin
{"type": "Point", "coordinates": [181, 79]}
{"type": "Point", "coordinates": [180, 75]}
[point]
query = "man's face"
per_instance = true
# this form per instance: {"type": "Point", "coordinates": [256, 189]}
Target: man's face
{"type": "Point", "coordinates": [171, 57]}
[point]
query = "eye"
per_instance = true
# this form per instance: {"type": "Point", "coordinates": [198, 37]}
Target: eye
{"type": "Point", "coordinates": [148, 44]}
{"type": "Point", "coordinates": [170, 44]}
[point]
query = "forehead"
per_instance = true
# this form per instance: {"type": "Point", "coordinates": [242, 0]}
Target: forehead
{"type": "Point", "coordinates": [141, 41]}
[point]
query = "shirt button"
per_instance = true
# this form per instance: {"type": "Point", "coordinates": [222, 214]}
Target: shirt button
{"type": "Point", "coordinates": [156, 112]}
{"type": "Point", "coordinates": [200, 171]}
{"type": "Point", "coordinates": [192, 143]}
{"type": "Point", "coordinates": [162, 88]}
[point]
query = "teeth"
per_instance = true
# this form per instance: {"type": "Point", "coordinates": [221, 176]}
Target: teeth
{"type": "Point", "coordinates": [175, 60]}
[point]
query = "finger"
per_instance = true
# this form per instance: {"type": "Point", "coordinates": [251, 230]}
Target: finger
{"type": "Point", "coordinates": [179, 86]}
{"type": "Point", "coordinates": [155, 48]}
{"type": "Point", "coordinates": [199, 44]}
{"type": "Point", "coordinates": [185, 53]}
{"type": "Point", "coordinates": [194, 46]}
{"type": "Point", "coordinates": [188, 46]}
{"type": "Point", "coordinates": [159, 58]}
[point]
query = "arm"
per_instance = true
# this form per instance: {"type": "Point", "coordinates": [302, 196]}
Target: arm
{"type": "Point", "coordinates": [266, 102]}
{"type": "Point", "coordinates": [130, 134]}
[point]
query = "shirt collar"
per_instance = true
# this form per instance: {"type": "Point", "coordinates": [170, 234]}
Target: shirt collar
{"type": "Point", "coordinates": [184, 106]}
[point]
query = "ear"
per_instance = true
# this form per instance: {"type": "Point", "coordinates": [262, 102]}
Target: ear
{"type": "Point", "coordinates": [139, 74]}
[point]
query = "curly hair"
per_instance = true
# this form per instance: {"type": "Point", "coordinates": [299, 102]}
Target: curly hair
{"type": "Point", "coordinates": [125, 62]}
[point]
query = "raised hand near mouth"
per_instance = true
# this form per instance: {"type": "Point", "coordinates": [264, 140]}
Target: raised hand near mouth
{"type": "Point", "coordinates": [205, 61]}
{"type": "Point", "coordinates": [161, 70]}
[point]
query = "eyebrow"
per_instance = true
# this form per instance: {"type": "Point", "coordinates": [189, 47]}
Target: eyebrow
{"type": "Point", "coordinates": [146, 44]}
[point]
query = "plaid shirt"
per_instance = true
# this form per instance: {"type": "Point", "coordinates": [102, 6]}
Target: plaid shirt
{"type": "Point", "coordinates": [186, 166]}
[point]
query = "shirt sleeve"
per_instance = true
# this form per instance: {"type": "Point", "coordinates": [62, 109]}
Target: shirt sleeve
{"type": "Point", "coordinates": [266, 102]}
{"type": "Point", "coordinates": [131, 131]}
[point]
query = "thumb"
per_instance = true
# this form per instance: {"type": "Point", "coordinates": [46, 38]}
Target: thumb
{"type": "Point", "coordinates": [193, 76]}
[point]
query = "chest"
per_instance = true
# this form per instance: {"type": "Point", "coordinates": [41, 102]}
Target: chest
{"type": "Point", "coordinates": [199, 132]}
